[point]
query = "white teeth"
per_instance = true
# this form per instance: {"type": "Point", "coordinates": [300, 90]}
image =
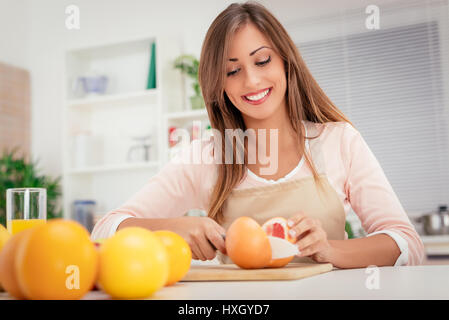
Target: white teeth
{"type": "Point", "coordinates": [258, 96]}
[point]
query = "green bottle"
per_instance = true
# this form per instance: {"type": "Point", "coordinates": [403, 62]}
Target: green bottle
{"type": "Point", "coordinates": [151, 84]}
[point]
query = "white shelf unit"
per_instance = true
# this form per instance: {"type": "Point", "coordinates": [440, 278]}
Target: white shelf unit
{"type": "Point", "coordinates": [111, 100]}
{"type": "Point", "coordinates": [187, 115]}
{"type": "Point", "coordinates": [183, 119]}
{"type": "Point", "coordinates": [127, 110]}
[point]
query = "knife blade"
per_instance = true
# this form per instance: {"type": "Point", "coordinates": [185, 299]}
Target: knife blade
{"type": "Point", "coordinates": [281, 248]}
{"type": "Point", "coordinates": [212, 245]}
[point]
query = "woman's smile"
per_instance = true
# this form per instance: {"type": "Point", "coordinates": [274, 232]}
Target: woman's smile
{"type": "Point", "coordinates": [257, 97]}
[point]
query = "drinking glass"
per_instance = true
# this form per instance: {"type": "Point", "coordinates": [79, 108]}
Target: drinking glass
{"type": "Point", "coordinates": [25, 208]}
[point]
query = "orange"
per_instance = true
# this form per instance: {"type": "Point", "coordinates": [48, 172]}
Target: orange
{"type": "Point", "coordinates": [133, 264]}
{"type": "Point", "coordinates": [56, 261]}
{"type": "Point", "coordinates": [4, 236]}
{"type": "Point", "coordinates": [179, 255]}
{"type": "Point", "coordinates": [247, 244]}
{"type": "Point", "coordinates": [277, 227]}
{"type": "Point", "coordinates": [8, 276]}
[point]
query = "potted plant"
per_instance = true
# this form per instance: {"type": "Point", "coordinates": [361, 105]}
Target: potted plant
{"type": "Point", "coordinates": [16, 172]}
{"type": "Point", "coordinates": [188, 65]}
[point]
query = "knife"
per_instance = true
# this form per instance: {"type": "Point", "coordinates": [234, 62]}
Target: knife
{"type": "Point", "coordinates": [280, 248]}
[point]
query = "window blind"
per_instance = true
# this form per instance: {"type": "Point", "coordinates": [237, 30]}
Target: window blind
{"type": "Point", "coordinates": [392, 83]}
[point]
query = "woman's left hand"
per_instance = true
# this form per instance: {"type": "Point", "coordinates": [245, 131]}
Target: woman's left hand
{"type": "Point", "coordinates": [311, 238]}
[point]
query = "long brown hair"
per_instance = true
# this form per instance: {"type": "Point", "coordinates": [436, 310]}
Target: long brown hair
{"type": "Point", "coordinates": [305, 99]}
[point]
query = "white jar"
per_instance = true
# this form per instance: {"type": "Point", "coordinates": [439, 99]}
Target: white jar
{"type": "Point", "coordinates": [86, 150]}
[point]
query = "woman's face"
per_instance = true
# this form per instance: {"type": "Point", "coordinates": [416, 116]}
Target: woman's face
{"type": "Point", "coordinates": [255, 76]}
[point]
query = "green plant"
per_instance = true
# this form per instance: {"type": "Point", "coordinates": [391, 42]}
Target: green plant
{"type": "Point", "coordinates": [348, 230]}
{"type": "Point", "coordinates": [188, 64]}
{"type": "Point", "coordinates": [16, 172]}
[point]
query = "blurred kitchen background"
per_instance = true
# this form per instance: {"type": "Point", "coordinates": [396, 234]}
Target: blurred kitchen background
{"type": "Point", "coordinates": [92, 91]}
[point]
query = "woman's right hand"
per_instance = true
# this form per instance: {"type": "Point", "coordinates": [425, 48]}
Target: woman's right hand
{"type": "Point", "coordinates": [203, 235]}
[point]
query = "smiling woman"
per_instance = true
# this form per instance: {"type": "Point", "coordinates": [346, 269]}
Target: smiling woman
{"type": "Point", "coordinates": [254, 79]}
{"type": "Point", "coordinates": [264, 84]}
{"type": "Point", "coordinates": [258, 75]}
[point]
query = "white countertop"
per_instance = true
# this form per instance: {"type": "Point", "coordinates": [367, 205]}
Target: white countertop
{"type": "Point", "coordinates": [406, 282]}
{"type": "Point", "coordinates": [414, 282]}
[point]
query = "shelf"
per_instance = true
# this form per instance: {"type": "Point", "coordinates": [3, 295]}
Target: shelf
{"type": "Point", "coordinates": [115, 167]}
{"type": "Point", "coordinates": [440, 250]}
{"type": "Point", "coordinates": [138, 97]}
{"type": "Point", "coordinates": [436, 239]}
{"type": "Point", "coordinates": [125, 111]}
{"type": "Point", "coordinates": [187, 115]}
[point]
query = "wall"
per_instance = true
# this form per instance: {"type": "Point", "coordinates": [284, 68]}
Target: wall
{"type": "Point", "coordinates": [14, 79]}
{"type": "Point", "coordinates": [101, 22]}
{"type": "Point", "coordinates": [14, 110]}
{"type": "Point", "coordinates": [33, 35]}
{"type": "Point", "coordinates": [14, 32]}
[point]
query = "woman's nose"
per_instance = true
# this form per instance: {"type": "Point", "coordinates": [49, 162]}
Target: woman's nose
{"type": "Point", "coordinates": [252, 79]}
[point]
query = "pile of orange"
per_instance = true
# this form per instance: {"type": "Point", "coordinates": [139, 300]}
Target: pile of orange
{"type": "Point", "coordinates": [58, 260]}
{"type": "Point", "coordinates": [136, 262]}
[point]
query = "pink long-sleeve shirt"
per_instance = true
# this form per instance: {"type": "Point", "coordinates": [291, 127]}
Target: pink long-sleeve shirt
{"type": "Point", "coordinates": [352, 169]}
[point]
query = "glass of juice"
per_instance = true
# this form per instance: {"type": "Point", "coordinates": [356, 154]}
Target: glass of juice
{"type": "Point", "coordinates": [25, 208]}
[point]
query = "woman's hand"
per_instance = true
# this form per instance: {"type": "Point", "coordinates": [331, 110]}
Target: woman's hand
{"type": "Point", "coordinates": [311, 238]}
{"type": "Point", "coordinates": [203, 234]}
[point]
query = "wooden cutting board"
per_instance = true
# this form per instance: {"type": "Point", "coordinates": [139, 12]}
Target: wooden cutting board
{"type": "Point", "coordinates": [231, 272]}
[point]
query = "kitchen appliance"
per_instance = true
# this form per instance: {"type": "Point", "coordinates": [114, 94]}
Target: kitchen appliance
{"type": "Point", "coordinates": [140, 152]}
{"type": "Point", "coordinates": [231, 272]}
{"type": "Point", "coordinates": [435, 223]}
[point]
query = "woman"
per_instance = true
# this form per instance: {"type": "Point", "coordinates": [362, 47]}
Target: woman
{"type": "Point", "coordinates": [253, 78]}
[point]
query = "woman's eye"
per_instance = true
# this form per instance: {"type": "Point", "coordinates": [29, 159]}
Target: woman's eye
{"type": "Point", "coordinates": [264, 62]}
{"type": "Point", "coordinates": [261, 63]}
{"type": "Point", "coordinates": [230, 73]}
